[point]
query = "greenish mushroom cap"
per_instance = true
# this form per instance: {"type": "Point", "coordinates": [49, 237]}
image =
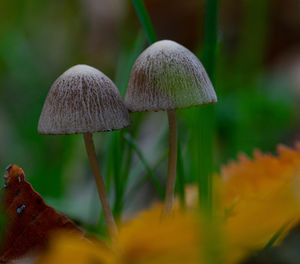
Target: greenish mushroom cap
{"type": "Point", "coordinates": [168, 76]}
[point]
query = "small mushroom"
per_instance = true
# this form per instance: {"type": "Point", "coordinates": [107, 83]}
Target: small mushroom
{"type": "Point", "coordinates": [167, 76]}
{"type": "Point", "coordinates": [84, 100]}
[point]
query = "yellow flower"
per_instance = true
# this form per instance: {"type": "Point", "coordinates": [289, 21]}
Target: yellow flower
{"type": "Point", "coordinates": [152, 239]}
{"type": "Point", "coordinates": [147, 239]}
{"type": "Point", "coordinates": [71, 248]}
{"type": "Point", "coordinates": [260, 197]}
{"type": "Point", "coordinates": [256, 199]}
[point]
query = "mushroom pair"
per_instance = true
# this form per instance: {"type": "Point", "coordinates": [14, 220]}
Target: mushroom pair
{"type": "Point", "coordinates": [166, 76]}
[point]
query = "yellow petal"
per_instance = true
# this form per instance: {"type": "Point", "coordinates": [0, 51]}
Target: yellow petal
{"type": "Point", "coordinates": [261, 197]}
{"type": "Point", "coordinates": [74, 249]}
{"type": "Point", "coordinates": [152, 239]}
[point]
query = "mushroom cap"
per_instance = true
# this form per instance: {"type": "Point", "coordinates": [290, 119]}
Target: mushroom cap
{"type": "Point", "coordinates": [168, 76]}
{"type": "Point", "coordinates": [83, 100]}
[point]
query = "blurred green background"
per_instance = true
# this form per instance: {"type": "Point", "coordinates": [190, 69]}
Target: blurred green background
{"type": "Point", "coordinates": [256, 79]}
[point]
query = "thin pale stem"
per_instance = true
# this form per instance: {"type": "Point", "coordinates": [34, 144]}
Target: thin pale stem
{"type": "Point", "coordinates": [90, 148]}
{"type": "Point", "coordinates": [172, 163]}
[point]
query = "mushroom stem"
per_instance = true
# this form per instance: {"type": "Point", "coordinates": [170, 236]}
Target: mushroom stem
{"type": "Point", "coordinates": [90, 148]}
{"type": "Point", "coordinates": [172, 163]}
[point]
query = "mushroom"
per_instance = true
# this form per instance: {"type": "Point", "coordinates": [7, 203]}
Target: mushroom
{"type": "Point", "coordinates": [84, 100]}
{"type": "Point", "coordinates": [167, 76]}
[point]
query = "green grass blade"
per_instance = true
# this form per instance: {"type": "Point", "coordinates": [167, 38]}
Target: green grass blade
{"type": "Point", "coordinates": [139, 184]}
{"type": "Point", "coordinates": [142, 158]}
{"type": "Point", "coordinates": [145, 20]}
{"type": "Point", "coordinates": [126, 61]}
{"type": "Point", "coordinates": [180, 183]}
{"type": "Point", "coordinates": [275, 237]}
{"type": "Point", "coordinates": [118, 184]}
{"type": "Point", "coordinates": [207, 113]}
{"type": "Point", "coordinates": [133, 131]}
{"type": "Point", "coordinates": [211, 37]}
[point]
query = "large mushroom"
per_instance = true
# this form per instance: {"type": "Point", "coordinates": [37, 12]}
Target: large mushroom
{"type": "Point", "coordinates": [166, 77]}
{"type": "Point", "coordinates": [84, 100]}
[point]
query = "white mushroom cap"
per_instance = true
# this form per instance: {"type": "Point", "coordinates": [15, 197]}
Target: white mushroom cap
{"type": "Point", "coordinates": [82, 100]}
{"type": "Point", "coordinates": [168, 76]}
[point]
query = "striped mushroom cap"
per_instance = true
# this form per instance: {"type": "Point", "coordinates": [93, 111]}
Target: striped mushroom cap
{"type": "Point", "coordinates": [168, 76]}
{"type": "Point", "coordinates": [82, 100]}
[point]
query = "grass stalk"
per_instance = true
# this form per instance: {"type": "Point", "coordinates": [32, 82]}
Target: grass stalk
{"type": "Point", "coordinates": [141, 182]}
{"type": "Point", "coordinates": [142, 158]}
{"type": "Point", "coordinates": [145, 20]}
{"type": "Point", "coordinates": [117, 157]}
{"type": "Point", "coordinates": [207, 113]}
{"type": "Point", "coordinates": [180, 176]}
